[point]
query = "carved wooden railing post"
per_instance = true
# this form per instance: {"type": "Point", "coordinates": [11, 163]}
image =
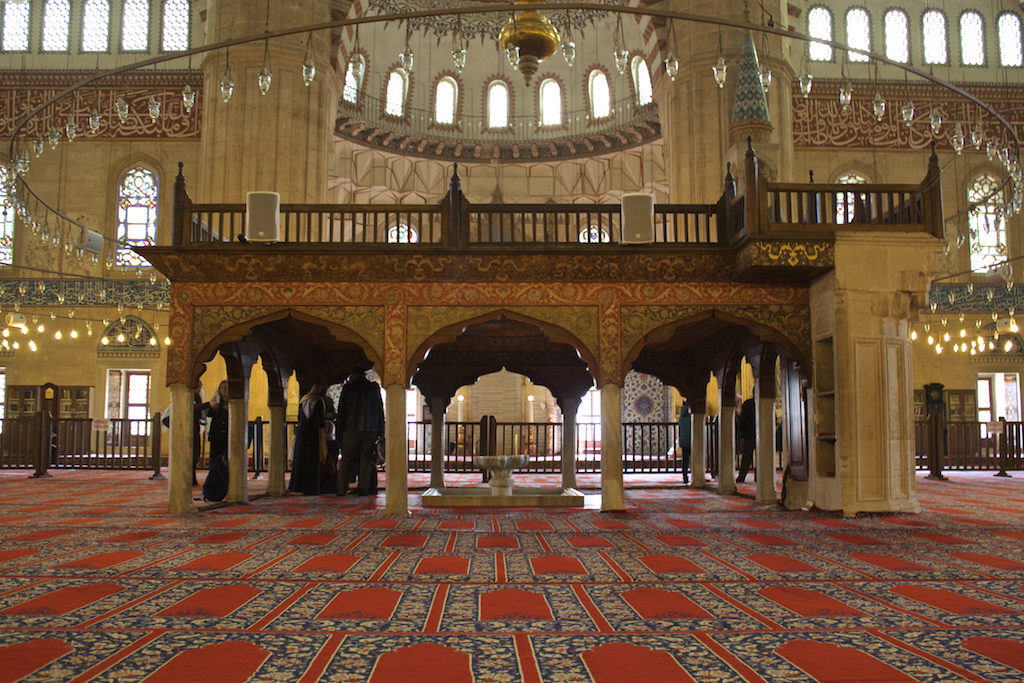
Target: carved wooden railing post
{"type": "Point", "coordinates": [752, 192]}
{"type": "Point", "coordinates": [180, 218]}
{"type": "Point", "coordinates": [725, 214]}
{"type": "Point", "coordinates": [931, 197]}
{"type": "Point", "coordinates": [455, 212]}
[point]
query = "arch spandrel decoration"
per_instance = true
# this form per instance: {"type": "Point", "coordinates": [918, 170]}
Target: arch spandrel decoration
{"type": "Point", "coordinates": [432, 326]}
{"type": "Point", "coordinates": [209, 322]}
{"type": "Point", "coordinates": [129, 336]}
{"type": "Point", "coordinates": [425, 321]}
{"type": "Point", "coordinates": [790, 321]}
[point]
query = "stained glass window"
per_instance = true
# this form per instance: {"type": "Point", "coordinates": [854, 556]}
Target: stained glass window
{"type": "Point", "coordinates": [135, 26]}
{"type": "Point", "coordinates": [986, 223]}
{"type": "Point", "coordinates": [6, 228]}
{"type": "Point", "coordinates": [600, 95]}
{"type": "Point", "coordinates": [972, 39]}
{"type": "Point", "coordinates": [897, 36]}
{"type": "Point", "coordinates": [175, 25]}
{"type": "Point", "coordinates": [934, 24]}
{"type": "Point", "coordinates": [550, 103]}
{"type": "Point", "coordinates": [846, 202]}
{"type": "Point", "coordinates": [858, 33]}
{"type": "Point", "coordinates": [819, 25]}
{"type": "Point", "coordinates": [394, 99]}
{"type": "Point", "coordinates": [497, 105]}
{"type": "Point", "coordinates": [136, 214]}
{"type": "Point", "coordinates": [95, 26]}
{"type": "Point", "coordinates": [402, 234]}
{"type": "Point", "coordinates": [56, 18]}
{"type": "Point", "coordinates": [444, 102]}
{"type": "Point", "coordinates": [1009, 40]}
{"type": "Point", "coordinates": [642, 82]}
{"type": "Point", "coordinates": [15, 16]}
{"type": "Point", "coordinates": [594, 235]}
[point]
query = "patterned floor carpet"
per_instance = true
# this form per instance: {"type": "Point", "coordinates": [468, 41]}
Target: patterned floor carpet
{"type": "Point", "coordinates": [97, 582]}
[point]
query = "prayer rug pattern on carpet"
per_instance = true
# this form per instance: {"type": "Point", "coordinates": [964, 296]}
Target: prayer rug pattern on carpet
{"type": "Point", "coordinates": [98, 582]}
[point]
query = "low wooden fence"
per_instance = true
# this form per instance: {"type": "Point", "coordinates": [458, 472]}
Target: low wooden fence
{"type": "Point", "coordinates": [970, 446]}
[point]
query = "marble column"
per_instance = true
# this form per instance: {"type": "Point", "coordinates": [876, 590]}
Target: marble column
{"type": "Point", "coordinates": [726, 448]}
{"type": "Point", "coordinates": [697, 449]}
{"type": "Point", "coordinates": [396, 467]}
{"type": "Point", "coordinates": [613, 491]}
{"type": "Point", "coordinates": [179, 466]}
{"type": "Point", "coordinates": [438, 444]}
{"type": "Point", "coordinates": [238, 458]}
{"type": "Point", "coordinates": [278, 446]}
{"type": "Point", "coordinates": [569, 407]}
{"type": "Point", "coordinates": [765, 450]}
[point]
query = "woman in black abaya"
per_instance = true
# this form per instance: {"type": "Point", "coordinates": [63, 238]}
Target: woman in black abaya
{"type": "Point", "coordinates": [310, 451]}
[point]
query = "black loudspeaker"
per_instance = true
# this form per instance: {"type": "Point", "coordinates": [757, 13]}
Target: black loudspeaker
{"type": "Point", "coordinates": [263, 216]}
{"type": "Point", "coordinates": [637, 216]}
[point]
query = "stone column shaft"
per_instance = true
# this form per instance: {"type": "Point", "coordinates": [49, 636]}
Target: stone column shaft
{"type": "Point", "coordinates": [765, 450]}
{"type": "Point", "coordinates": [396, 467]}
{"type": "Point", "coordinates": [613, 492]}
{"type": "Point", "coordinates": [438, 445]}
{"type": "Point", "coordinates": [569, 447]}
{"type": "Point", "coordinates": [238, 460]}
{"type": "Point", "coordinates": [278, 446]}
{"type": "Point", "coordinates": [179, 465]}
{"type": "Point", "coordinates": [697, 450]}
{"type": "Point", "coordinates": [726, 449]}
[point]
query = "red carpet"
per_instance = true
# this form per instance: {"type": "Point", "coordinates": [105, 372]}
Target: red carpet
{"type": "Point", "coordinates": [99, 583]}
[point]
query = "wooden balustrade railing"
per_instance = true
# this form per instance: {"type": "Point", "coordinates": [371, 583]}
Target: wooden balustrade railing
{"type": "Point", "coordinates": [814, 210]}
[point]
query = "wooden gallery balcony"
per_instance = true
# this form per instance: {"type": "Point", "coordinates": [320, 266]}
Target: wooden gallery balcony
{"type": "Point", "coordinates": [766, 232]}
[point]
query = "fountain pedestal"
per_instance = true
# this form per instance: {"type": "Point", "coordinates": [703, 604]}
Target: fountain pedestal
{"type": "Point", "coordinates": [500, 467]}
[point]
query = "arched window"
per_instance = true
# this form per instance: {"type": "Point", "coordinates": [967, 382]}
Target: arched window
{"type": "Point", "coordinates": [897, 36]}
{"type": "Point", "coordinates": [402, 234]}
{"type": "Point", "coordinates": [445, 97]}
{"type": "Point", "coordinates": [394, 98]}
{"type": "Point", "coordinates": [819, 25]}
{"type": "Point", "coordinates": [15, 20]}
{"type": "Point", "coordinates": [600, 95]}
{"type": "Point", "coordinates": [56, 18]}
{"type": "Point", "coordinates": [497, 105]}
{"type": "Point", "coordinates": [550, 103]}
{"type": "Point", "coordinates": [95, 26]}
{"type": "Point", "coordinates": [594, 235]}
{"type": "Point", "coordinates": [6, 228]}
{"type": "Point", "coordinates": [934, 25]}
{"type": "Point", "coordinates": [137, 195]}
{"type": "Point", "coordinates": [972, 39]}
{"type": "Point", "coordinates": [175, 25]}
{"type": "Point", "coordinates": [354, 79]}
{"type": "Point", "coordinates": [986, 224]}
{"type": "Point", "coordinates": [642, 82]}
{"type": "Point", "coordinates": [858, 33]}
{"type": "Point", "coordinates": [135, 26]}
{"type": "Point", "coordinates": [846, 202]}
{"type": "Point", "coordinates": [1009, 40]}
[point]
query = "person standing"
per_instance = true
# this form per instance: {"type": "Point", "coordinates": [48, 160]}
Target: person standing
{"type": "Point", "coordinates": [310, 451]}
{"type": "Point", "coordinates": [748, 438]}
{"type": "Point", "coordinates": [360, 423]}
{"type": "Point", "coordinates": [215, 488]}
{"type": "Point", "coordinates": [685, 420]}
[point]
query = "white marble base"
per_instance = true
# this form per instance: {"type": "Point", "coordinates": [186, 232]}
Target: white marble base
{"type": "Point", "coordinates": [466, 496]}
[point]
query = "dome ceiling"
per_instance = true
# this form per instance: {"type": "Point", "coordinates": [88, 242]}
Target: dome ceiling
{"type": "Point", "coordinates": [369, 117]}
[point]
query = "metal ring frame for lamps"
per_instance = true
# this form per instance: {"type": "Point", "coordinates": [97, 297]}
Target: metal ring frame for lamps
{"type": "Point", "coordinates": [494, 9]}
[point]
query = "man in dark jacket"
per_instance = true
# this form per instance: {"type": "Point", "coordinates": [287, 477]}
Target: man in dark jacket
{"type": "Point", "coordinates": [748, 438]}
{"type": "Point", "coordinates": [360, 423]}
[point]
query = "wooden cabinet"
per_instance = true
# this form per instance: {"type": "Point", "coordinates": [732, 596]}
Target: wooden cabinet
{"type": "Point", "coordinates": [72, 402]}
